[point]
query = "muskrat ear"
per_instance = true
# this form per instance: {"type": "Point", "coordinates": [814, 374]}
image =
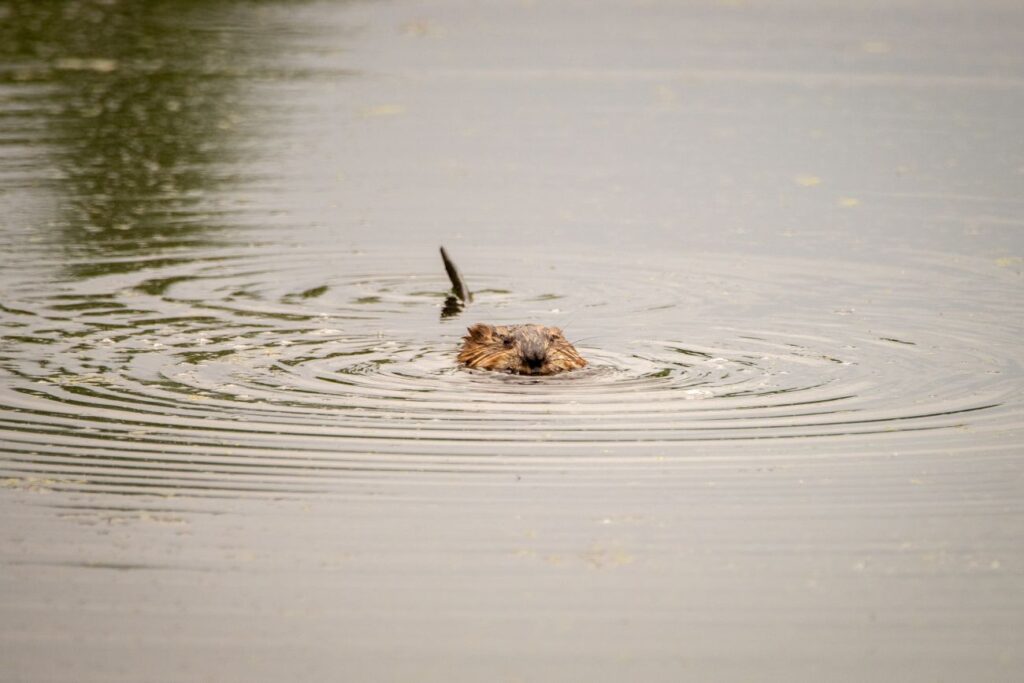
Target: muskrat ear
{"type": "Point", "coordinates": [480, 332]}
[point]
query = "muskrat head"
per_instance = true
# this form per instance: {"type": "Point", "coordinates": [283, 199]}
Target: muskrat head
{"type": "Point", "coordinates": [519, 349]}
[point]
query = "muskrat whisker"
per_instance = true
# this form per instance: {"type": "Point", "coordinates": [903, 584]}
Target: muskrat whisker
{"type": "Point", "coordinates": [564, 321]}
{"type": "Point", "coordinates": [577, 340]}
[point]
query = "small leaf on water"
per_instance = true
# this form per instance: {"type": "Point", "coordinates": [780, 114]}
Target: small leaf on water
{"type": "Point", "coordinates": [807, 180]}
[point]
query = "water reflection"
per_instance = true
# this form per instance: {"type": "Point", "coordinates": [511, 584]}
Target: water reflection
{"type": "Point", "coordinates": [142, 110]}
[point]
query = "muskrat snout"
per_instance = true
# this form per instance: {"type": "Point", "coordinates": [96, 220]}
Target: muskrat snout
{"type": "Point", "coordinates": [519, 349]}
{"type": "Point", "coordinates": [534, 355]}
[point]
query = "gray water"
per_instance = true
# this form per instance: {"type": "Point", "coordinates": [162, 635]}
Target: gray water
{"type": "Point", "coordinates": [234, 443]}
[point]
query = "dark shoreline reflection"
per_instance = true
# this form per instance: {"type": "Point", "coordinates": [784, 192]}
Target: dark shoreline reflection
{"type": "Point", "coordinates": [142, 109]}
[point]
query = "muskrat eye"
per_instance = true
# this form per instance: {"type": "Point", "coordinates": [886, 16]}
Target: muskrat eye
{"type": "Point", "coordinates": [507, 341]}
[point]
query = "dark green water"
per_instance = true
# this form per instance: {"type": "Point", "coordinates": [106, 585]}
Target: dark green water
{"type": "Point", "coordinates": [234, 444]}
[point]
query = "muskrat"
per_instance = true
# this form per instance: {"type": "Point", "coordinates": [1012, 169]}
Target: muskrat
{"type": "Point", "coordinates": [519, 349]}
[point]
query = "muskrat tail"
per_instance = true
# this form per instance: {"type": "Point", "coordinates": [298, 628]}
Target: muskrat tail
{"type": "Point", "coordinates": [458, 285]}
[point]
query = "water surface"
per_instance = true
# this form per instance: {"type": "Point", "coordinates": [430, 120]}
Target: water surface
{"type": "Point", "coordinates": [235, 443]}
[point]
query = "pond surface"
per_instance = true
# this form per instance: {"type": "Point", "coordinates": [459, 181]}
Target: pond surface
{"type": "Point", "coordinates": [234, 443]}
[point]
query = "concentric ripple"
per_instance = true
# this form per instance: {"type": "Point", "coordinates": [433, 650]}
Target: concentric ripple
{"type": "Point", "coordinates": [270, 373]}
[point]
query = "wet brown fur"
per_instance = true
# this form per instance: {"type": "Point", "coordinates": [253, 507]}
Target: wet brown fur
{"type": "Point", "coordinates": [519, 349]}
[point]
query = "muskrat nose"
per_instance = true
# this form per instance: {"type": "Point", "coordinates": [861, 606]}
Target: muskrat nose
{"type": "Point", "coordinates": [534, 357]}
